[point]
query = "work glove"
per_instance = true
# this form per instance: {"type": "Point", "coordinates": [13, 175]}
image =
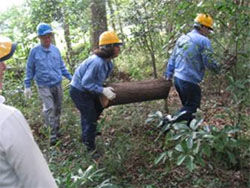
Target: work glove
{"type": "Point", "coordinates": [109, 92]}
{"type": "Point", "coordinates": [27, 93]}
{"type": "Point", "coordinates": [168, 78]}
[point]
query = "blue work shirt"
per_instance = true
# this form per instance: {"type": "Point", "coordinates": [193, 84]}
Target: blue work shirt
{"type": "Point", "coordinates": [45, 66]}
{"type": "Point", "coordinates": [91, 74]}
{"type": "Point", "coordinates": [192, 54]}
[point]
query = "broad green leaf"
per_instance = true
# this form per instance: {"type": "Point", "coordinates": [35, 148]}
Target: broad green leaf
{"type": "Point", "coordinates": [197, 148]}
{"type": "Point", "coordinates": [200, 4]}
{"type": "Point", "coordinates": [149, 120]}
{"type": "Point", "coordinates": [170, 153]}
{"type": "Point", "coordinates": [194, 135]}
{"type": "Point", "coordinates": [190, 163]}
{"type": "Point", "coordinates": [177, 136]}
{"type": "Point", "coordinates": [160, 123]}
{"type": "Point", "coordinates": [231, 157]}
{"type": "Point", "coordinates": [180, 126]}
{"type": "Point", "coordinates": [208, 136]}
{"type": "Point", "coordinates": [180, 159]}
{"type": "Point", "coordinates": [190, 142]}
{"type": "Point", "coordinates": [164, 154]}
{"type": "Point", "coordinates": [179, 148]}
{"type": "Point", "coordinates": [166, 127]}
{"type": "Point", "coordinates": [159, 114]}
{"type": "Point", "coordinates": [207, 128]}
{"type": "Point", "coordinates": [206, 149]}
{"type": "Point", "coordinates": [195, 124]}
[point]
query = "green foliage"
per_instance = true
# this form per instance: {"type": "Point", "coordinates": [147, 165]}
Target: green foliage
{"type": "Point", "coordinates": [239, 90]}
{"type": "Point", "coordinates": [90, 175]}
{"type": "Point", "coordinates": [149, 29]}
{"type": "Point", "coordinates": [199, 145]}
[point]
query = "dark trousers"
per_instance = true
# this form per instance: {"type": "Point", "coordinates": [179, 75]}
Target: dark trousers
{"type": "Point", "coordinates": [90, 108]}
{"type": "Point", "coordinates": [190, 95]}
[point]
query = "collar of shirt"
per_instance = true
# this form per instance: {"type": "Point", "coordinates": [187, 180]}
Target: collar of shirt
{"type": "Point", "coordinates": [47, 50]}
{"type": "Point", "coordinates": [195, 31]}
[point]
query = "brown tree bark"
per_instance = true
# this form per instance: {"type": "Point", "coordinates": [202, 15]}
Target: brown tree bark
{"type": "Point", "coordinates": [131, 92]}
{"type": "Point", "coordinates": [69, 52]}
{"type": "Point", "coordinates": [98, 19]}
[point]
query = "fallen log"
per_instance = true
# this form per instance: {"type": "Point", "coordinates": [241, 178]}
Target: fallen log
{"type": "Point", "coordinates": [138, 91]}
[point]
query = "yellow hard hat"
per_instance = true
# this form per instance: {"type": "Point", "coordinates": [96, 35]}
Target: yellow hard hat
{"type": "Point", "coordinates": [204, 19]}
{"type": "Point", "coordinates": [7, 48]}
{"type": "Point", "coordinates": [109, 37]}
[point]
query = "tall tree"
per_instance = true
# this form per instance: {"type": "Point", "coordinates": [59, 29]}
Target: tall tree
{"type": "Point", "coordinates": [112, 14]}
{"type": "Point", "coordinates": [98, 19]}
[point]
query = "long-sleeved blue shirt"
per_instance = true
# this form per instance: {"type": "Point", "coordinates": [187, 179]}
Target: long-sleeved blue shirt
{"type": "Point", "coordinates": [192, 54]}
{"type": "Point", "coordinates": [91, 74]}
{"type": "Point", "coordinates": [45, 66]}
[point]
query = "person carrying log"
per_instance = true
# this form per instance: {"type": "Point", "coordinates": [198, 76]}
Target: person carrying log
{"type": "Point", "coordinates": [87, 85]}
{"type": "Point", "coordinates": [192, 54]}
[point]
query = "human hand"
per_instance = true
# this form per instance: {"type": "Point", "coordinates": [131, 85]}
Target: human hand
{"type": "Point", "coordinates": [109, 93]}
{"type": "Point", "coordinates": [27, 93]}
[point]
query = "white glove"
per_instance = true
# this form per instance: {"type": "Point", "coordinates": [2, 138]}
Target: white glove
{"type": "Point", "coordinates": [27, 92]}
{"type": "Point", "coordinates": [168, 78]}
{"type": "Point", "coordinates": [109, 92]}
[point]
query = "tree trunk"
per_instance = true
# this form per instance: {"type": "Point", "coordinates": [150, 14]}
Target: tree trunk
{"type": "Point", "coordinates": [98, 19]}
{"type": "Point", "coordinates": [131, 92]}
{"type": "Point", "coordinates": [119, 19]}
{"type": "Point", "coordinates": [69, 52]}
{"type": "Point", "coordinates": [112, 15]}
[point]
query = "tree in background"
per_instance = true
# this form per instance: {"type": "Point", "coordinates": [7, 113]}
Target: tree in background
{"type": "Point", "coordinates": [98, 20]}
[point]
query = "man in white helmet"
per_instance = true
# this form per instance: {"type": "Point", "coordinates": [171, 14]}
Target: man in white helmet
{"type": "Point", "coordinates": [45, 65]}
{"type": "Point", "coordinates": [21, 161]}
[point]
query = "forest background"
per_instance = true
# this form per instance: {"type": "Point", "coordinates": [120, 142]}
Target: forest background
{"type": "Point", "coordinates": [213, 152]}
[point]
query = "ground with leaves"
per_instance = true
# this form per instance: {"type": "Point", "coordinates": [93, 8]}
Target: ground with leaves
{"type": "Point", "coordinates": [129, 147]}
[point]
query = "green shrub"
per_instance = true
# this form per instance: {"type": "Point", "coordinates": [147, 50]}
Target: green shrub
{"type": "Point", "coordinates": [199, 145]}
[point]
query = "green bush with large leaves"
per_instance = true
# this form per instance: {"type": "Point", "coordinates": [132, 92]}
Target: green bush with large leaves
{"type": "Point", "coordinates": [200, 145]}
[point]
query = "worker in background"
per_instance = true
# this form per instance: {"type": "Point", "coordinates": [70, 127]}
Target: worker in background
{"type": "Point", "coordinates": [21, 161]}
{"type": "Point", "coordinates": [87, 85]}
{"type": "Point", "coordinates": [46, 67]}
{"type": "Point", "coordinates": [191, 56]}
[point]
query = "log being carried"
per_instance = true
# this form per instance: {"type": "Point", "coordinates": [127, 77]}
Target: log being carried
{"type": "Point", "coordinates": [138, 91]}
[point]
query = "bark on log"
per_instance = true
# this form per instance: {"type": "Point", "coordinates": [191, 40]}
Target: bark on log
{"type": "Point", "coordinates": [131, 92]}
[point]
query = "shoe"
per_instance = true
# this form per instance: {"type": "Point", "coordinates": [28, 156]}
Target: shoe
{"type": "Point", "coordinates": [95, 155]}
{"type": "Point", "coordinates": [167, 119]}
{"type": "Point", "coordinates": [53, 141]}
{"type": "Point", "coordinates": [166, 125]}
{"type": "Point", "coordinates": [58, 132]}
{"type": "Point", "coordinates": [98, 133]}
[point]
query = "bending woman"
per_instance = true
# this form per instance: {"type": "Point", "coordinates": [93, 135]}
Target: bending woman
{"type": "Point", "coordinates": [87, 85]}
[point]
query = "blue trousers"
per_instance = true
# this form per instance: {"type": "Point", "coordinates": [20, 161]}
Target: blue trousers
{"type": "Point", "coordinates": [190, 95]}
{"type": "Point", "coordinates": [90, 108]}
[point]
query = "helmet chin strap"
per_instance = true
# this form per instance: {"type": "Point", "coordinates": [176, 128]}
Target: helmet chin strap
{"type": "Point", "coordinates": [196, 24]}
